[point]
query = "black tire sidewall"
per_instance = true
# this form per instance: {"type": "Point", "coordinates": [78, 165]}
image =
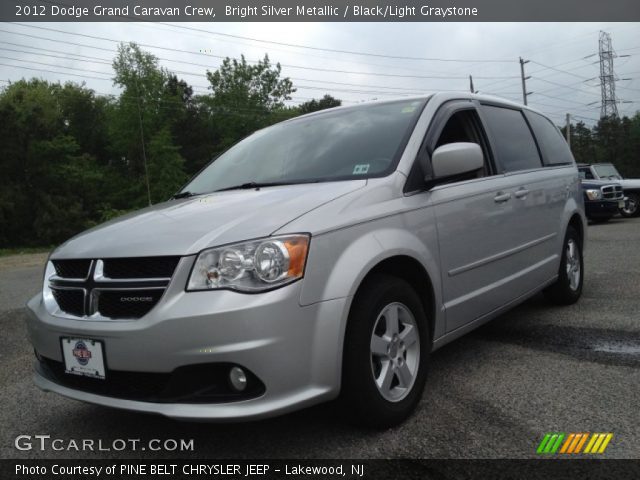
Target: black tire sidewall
{"type": "Point", "coordinates": [365, 403]}
{"type": "Point", "coordinates": [636, 196]}
{"type": "Point", "coordinates": [561, 292]}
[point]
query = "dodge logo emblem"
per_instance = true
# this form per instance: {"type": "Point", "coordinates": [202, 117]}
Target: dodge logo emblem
{"type": "Point", "coordinates": [136, 299]}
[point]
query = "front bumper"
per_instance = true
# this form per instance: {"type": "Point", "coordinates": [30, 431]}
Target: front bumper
{"type": "Point", "coordinates": [295, 351]}
{"type": "Point", "coordinates": [601, 208]}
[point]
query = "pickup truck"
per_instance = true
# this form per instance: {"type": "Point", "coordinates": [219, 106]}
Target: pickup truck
{"type": "Point", "coordinates": [630, 186]}
{"type": "Point", "coordinates": [602, 199]}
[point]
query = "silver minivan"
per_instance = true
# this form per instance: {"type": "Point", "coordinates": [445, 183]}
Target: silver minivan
{"type": "Point", "coordinates": [323, 257]}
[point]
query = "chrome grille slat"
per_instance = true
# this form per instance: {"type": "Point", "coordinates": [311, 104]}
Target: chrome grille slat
{"type": "Point", "coordinates": [612, 192]}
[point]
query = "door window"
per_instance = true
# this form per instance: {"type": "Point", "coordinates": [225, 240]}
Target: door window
{"type": "Point", "coordinates": [512, 141]}
{"type": "Point", "coordinates": [463, 126]}
{"type": "Point", "coordinates": [553, 145]}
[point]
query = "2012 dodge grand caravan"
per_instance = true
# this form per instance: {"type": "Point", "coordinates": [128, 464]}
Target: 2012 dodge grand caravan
{"type": "Point", "coordinates": [326, 256]}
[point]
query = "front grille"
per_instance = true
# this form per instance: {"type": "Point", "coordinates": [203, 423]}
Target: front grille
{"type": "Point", "coordinates": [72, 268]}
{"type": "Point", "coordinates": [114, 288]}
{"type": "Point", "coordinates": [127, 303]}
{"type": "Point", "coordinates": [70, 301]}
{"type": "Point", "coordinates": [144, 267]}
{"type": "Point", "coordinates": [200, 383]}
{"type": "Point", "coordinates": [612, 192]}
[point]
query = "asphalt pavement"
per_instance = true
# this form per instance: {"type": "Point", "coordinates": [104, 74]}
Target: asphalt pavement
{"type": "Point", "coordinates": [491, 394]}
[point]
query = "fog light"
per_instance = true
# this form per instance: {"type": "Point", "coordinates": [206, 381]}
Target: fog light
{"type": "Point", "coordinates": [238, 379]}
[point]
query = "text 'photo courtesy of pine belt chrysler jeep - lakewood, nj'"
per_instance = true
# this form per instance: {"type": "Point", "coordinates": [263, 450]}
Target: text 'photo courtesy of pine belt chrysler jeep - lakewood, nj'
{"type": "Point", "coordinates": [321, 258]}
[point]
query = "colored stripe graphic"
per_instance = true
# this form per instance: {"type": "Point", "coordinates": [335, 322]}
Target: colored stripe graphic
{"type": "Point", "coordinates": [598, 442]}
{"type": "Point", "coordinates": [543, 443]}
{"type": "Point", "coordinates": [567, 443]}
{"type": "Point", "coordinates": [573, 443]}
{"type": "Point", "coordinates": [550, 443]}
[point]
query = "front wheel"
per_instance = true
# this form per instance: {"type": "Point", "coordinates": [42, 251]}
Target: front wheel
{"type": "Point", "coordinates": [631, 206]}
{"type": "Point", "coordinates": [568, 288]}
{"type": "Point", "coordinates": [385, 353]}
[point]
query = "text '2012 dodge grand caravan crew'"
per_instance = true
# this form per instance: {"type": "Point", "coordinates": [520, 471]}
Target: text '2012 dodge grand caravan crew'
{"type": "Point", "coordinates": [322, 257]}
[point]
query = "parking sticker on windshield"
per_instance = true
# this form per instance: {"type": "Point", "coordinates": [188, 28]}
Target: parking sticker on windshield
{"type": "Point", "coordinates": [361, 169]}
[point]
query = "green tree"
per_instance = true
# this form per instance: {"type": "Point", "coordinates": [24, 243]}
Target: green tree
{"type": "Point", "coordinates": [247, 97]}
{"type": "Point", "coordinates": [165, 166]}
{"type": "Point", "coordinates": [315, 105]}
{"type": "Point", "coordinates": [153, 103]}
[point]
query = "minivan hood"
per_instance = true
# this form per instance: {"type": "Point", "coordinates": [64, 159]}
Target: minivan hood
{"type": "Point", "coordinates": [187, 226]}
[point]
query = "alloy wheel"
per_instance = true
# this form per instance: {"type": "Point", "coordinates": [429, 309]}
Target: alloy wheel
{"type": "Point", "coordinates": [395, 351]}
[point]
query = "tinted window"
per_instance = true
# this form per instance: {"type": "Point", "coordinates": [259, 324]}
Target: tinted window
{"type": "Point", "coordinates": [553, 145]}
{"type": "Point", "coordinates": [356, 142]}
{"type": "Point", "coordinates": [513, 143]}
{"type": "Point", "coordinates": [585, 173]}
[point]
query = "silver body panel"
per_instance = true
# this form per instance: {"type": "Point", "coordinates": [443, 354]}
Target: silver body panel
{"type": "Point", "coordinates": [482, 257]}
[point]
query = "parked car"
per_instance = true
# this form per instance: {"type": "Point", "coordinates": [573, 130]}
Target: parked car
{"type": "Point", "coordinates": [630, 186]}
{"type": "Point", "coordinates": [602, 200]}
{"type": "Point", "coordinates": [324, 256]}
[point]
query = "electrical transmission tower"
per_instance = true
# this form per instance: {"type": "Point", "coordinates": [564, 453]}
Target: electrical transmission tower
{"type": "Point", "coordinates": [609, 106]}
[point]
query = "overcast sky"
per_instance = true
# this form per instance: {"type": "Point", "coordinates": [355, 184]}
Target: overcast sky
{"type": "Point", "coordinates": [489, 52]}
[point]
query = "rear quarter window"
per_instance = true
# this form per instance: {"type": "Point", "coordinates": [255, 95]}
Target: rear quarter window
{"type": "Point", "coordinates": [555, 150]}
{"type": "Point", "coordinates": [511, 138]}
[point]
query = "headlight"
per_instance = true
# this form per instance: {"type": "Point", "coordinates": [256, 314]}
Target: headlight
{"type": "Point", "coordinates": [594, 194]}
{"type": "Point", "coordinates": [251, 266]}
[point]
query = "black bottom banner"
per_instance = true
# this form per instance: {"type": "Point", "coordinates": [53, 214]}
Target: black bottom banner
{"type": "Point", "coordinates": [197, 469]}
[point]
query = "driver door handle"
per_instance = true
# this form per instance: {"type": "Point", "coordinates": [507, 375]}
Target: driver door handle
{"type": "Point", "coordinates": [501, 197]}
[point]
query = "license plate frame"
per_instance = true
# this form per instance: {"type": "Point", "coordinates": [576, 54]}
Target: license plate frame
{"type": "Point", "coordinates": [84, 357]}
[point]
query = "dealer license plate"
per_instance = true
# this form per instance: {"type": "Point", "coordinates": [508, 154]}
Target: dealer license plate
{"type": "Point", "coordinates": [620, 203]}
{"type": "Point", "coordinates": [83, 356]}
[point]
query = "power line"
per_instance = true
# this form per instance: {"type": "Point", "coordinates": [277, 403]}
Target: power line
{"type": "Point", "coordinates": [177, 50]}
{"type": "Point", "coordinates": [102, 61]}
{"type": "Point", "coordinates": [350, 52]}
{"type": "Point", "coordinates": [51, 71]}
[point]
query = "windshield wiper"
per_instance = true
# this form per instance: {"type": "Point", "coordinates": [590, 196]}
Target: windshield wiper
{"type": "Point", "coordinates": [250, 185]}
{"type": "Point", "coordinates": [183, 195]}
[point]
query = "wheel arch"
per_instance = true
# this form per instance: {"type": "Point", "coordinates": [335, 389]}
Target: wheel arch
{"type": "Point", "coordinates": [413, 272]}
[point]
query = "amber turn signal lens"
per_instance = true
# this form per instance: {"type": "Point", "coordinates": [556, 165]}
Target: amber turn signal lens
{"type": "Point", "coordinates": [297, 248]}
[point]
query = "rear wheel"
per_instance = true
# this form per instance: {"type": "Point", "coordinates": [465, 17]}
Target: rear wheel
{"type": "Point", "coordinates": [568, 288]}
{"type": "Point", "coordinates": [385, 353]}
{"type": "Point", "coordinates": [631, 205]}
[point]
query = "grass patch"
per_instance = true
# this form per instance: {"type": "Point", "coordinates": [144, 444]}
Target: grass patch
{"type": "Point", "coordinates": [5, 252]}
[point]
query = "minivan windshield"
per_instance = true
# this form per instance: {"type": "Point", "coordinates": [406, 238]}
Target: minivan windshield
{"type": "Point", "coordinates": [351, 143]}
{"type": "Point", "coordinates": [607, 171]}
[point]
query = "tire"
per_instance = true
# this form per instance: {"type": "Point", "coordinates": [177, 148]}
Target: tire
{"type": "Point", "coordinates": [401, 358]}
{"type": "Point", "coordinates": [632, 206]}
{"type": "Point", "coordinates": [568, 288]}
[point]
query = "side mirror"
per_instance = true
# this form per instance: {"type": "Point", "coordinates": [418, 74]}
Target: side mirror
{"type": "Point", "coordinates": [456, 159]}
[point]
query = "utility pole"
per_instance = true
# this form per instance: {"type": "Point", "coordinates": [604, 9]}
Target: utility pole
{"type": "Point", "coordinates": [144, 152]}
{"type": "Point", "coordinates": [568, 128]}
{"type": "Point", "coordinates": [609, 106]}
{"type": "Point", "coordinates": [524, 81]}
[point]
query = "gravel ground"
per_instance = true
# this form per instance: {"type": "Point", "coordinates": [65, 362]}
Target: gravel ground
{"type": "Point", "coordinates": [491, 394]}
